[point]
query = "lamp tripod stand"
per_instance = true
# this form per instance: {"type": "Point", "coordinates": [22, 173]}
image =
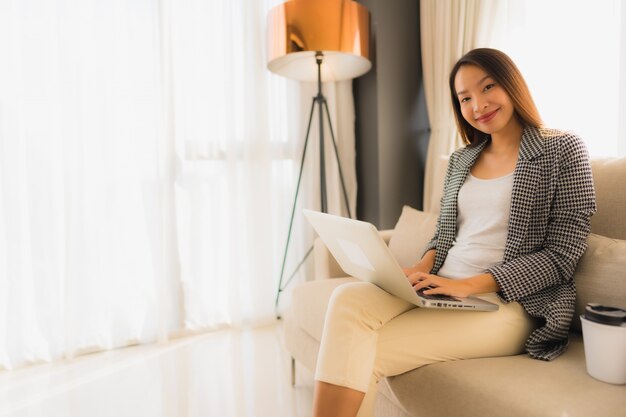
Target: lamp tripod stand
{"type": "Point", "coordinates": [322, 106]}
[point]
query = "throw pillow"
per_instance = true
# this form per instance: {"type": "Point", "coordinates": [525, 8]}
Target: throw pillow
{"type": "Point", "coordinates": [411, 234]}
{"type": "Point", "coordinates": [600, 275]}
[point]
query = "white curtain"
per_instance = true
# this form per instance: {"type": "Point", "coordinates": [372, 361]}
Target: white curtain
{"type": "Point", "coordinates": [449, 29]}
{"type": "Point", "coordinates": [240, 139]}
{"type": "Point", "coordinates": [240, 132]}
{"type": "Point", "coordinates": [555, 45]}
{"type": "Point", "coordinates": [80, 178]}
{"type": "Point", "coordinates": [147, 168]}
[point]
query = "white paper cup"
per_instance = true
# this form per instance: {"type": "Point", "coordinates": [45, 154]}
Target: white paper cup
{"type": "Point", "coordinates": [605, 351]}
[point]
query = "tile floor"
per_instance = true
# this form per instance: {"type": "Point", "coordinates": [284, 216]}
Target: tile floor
{"type": "Point", "coordinates": [228, 373]}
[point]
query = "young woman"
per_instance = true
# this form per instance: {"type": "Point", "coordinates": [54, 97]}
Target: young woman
{"type": "Point", "coordinates": [514, 219]}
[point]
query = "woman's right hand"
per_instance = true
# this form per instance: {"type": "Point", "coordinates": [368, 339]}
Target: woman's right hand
{"type": "Point", "coordinates": [418, 267]}
{"type": "Point", "coordinates": [423, 265]}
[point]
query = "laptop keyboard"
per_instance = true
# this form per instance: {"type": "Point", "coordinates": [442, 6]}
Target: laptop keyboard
{"type": "Point", "coordinates": [435, 297]}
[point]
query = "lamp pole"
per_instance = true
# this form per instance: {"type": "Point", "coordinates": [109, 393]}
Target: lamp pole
{"type": "Point", "coordinates": [336, 33]}
{"type": "Point", "coordinates": [319, 57]}
{"type": "Point", "coordinates": [322, 106]}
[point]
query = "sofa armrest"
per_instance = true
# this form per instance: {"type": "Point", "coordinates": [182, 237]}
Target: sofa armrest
{"type": "Point", "coordinates": [325, 264]}
{"type": "Point", "coordinates": [386, 235]}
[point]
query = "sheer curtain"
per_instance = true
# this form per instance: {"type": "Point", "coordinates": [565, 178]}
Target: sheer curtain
{"type": "Point", "coordinates": [235, 162]}
{"type": "Point", "coordinates": [240, 132]}
{"type": "Point", "coordinates": [576, 84]}
{"type": "Point", "coordinates": [448, 30]}
{"type": "Point", "coordinates": [79, 178]}
{"type": "Point", "coordinates": [148, 163]}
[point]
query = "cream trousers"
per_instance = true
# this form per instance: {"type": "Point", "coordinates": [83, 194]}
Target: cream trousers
{"type": "Point", "coordinates": [370, 334]}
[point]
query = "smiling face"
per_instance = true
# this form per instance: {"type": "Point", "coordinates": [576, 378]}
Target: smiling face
{"type": "Point", "coordinates": [484, 104]}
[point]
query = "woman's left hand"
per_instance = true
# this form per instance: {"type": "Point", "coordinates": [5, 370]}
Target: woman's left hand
{"type": "Point", "coordinates": [439, 285]}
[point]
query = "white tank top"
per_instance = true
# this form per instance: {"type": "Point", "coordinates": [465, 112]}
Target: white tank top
{"type": "Point", "coordinates": [483, 211]}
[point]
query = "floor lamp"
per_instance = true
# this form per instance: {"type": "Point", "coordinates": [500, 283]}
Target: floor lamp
{"type": "Point", "coordinates": [317, 40]}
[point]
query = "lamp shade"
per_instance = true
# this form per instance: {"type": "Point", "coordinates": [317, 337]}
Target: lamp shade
{"type": "Point", "coordinates": [297, 29]}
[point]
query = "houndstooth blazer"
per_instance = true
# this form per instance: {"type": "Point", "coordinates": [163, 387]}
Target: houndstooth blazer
{"type": "Point", "coordinates": [552, 202]}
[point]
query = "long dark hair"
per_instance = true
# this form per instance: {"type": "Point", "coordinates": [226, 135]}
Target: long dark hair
{"type": "Point", "coordinates": [504, 72]}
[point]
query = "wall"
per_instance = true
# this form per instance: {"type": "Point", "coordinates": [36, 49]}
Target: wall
{"type": "Point", "coordinates": [391, 118]}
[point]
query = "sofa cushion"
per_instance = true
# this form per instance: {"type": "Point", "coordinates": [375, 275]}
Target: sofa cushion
{"type": "Point", "coordinates": [301, 345]}
{"type": "Point", "coordinates": [411, 234]}
{"type": "Point", "coordinates": [600, 275]}
{"type": "Point", "coordinates": [515, 386]}
{"type": "Point", "coordinates": [608, 178]}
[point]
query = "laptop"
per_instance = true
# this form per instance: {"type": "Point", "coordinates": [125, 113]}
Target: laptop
{"type": "Point", "coordinates": [361, 252]}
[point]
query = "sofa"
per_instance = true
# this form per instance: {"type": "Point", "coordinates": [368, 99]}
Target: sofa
{"type": "Point", "coordinates": [504, 386]}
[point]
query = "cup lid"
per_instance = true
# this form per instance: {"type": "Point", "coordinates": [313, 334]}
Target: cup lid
{"type": "Point", "coordinates": [598, 313]}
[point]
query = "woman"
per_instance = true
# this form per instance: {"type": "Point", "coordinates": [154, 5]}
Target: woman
{"type": "Point", "coordinates": [514, 219]}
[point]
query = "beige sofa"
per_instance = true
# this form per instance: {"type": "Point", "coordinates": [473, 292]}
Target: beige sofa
{"type": "Point", "coordinates": [508, 386]}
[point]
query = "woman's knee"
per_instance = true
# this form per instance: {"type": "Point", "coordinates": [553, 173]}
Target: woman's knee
{"type": "Point", "coordinates": [355, 294]}
{"type": "Point", "coordinates": [353, 301]}
{"type": "Point", "coordinates": [365, 303]}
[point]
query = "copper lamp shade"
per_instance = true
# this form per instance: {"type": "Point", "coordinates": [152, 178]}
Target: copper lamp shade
{"type": "Point", "coordinates": [297, 29]}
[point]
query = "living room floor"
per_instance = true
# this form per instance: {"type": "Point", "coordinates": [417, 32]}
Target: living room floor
{"type": "Point", "coordinates": [238, 373]}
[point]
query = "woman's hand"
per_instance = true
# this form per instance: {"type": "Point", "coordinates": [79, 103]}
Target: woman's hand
{"type": "Point", "coordinates": [423, 265]}
{"type": "Point", "coordinates": [418, 267]}
{"type": "Point", "coordinates": [459, 288]}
